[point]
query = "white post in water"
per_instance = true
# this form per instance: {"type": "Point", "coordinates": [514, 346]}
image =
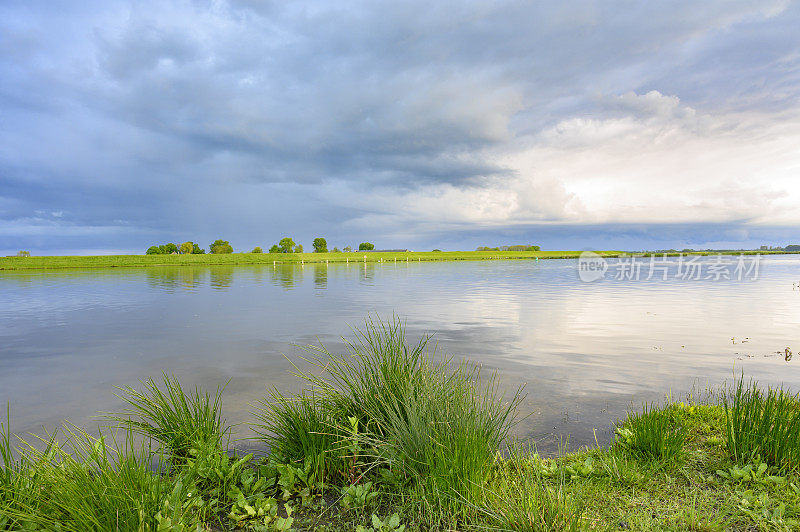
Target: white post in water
{"type": "Point", "coordinates": [365, 259]}
{"type": "Point", "coordinates": [347, 260]}
{"type": "Point", "coordinates": [395, 260]}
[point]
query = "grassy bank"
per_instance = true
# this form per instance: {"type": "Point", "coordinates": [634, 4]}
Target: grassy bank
{"type": "Point", "coordinates": [393, 437]}
{"type": "Point", "coordinates": [129, 261]}
{"type": "Point", "coordinates": [136, 261]}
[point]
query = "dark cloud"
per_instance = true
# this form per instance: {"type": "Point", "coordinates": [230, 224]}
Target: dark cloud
{"type": "Point", "coordinates": [149, 120]}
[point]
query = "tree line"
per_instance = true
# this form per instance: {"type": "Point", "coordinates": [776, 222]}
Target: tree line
{"type": "Point", "coordinates": [284, 245]}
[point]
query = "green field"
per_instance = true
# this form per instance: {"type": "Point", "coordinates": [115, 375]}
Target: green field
{"type": "Point", "coordinates": [135, 261]}
{"type": "Point", "coordinates": [128, 261]}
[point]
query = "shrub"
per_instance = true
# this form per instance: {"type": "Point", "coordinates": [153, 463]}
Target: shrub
{"type": "Point", "coordinates": [762, 424]}
{"type": "Point", "coordinates": [257, 249]}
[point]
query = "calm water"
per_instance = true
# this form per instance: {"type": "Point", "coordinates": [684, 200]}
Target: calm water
{"type": "Point", "coordinates": [585, 352]}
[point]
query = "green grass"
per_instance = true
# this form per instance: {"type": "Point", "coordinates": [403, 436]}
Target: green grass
{"type": "Point", "coordinates": [184, 422]}
{"type": "Point", "coordinates": [434, 421]}
{"type": "Point", "coordinates": [654, 434]}
{"type": "Point", "coordinates": [389, 436]}
{"type": "Point", "coordinates": [86, 484]}
{"type": "Point", "coordinates": [129, 261]}
{"type": "Point", "coordinates": [763, 424]}
{"type": "Point", "coordinates": [134, 261]}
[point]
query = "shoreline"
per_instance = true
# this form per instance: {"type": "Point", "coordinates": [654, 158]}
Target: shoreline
{"type": "Point", "coordinates": [249, 259]}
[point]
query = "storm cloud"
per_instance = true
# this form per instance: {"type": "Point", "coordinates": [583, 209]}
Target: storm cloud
{"type": "Point", "coordinates": [413, 124]}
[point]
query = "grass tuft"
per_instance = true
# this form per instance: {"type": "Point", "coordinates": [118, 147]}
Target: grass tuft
{"type": "Point", "coordinates": [182, 421]}
{"type": "Point", "coordinates": [762, 425]}
{"type": "Point", "coordinates": [654, 434]}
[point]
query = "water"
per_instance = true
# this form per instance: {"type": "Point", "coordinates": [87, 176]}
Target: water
{"type": "Point", "coordinates": [586, 352]}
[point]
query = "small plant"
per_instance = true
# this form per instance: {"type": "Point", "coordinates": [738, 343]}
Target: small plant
{"type": "Point", "coordinates": [392, 524]}
{"type": "Point", "coordinates": [580, 470]}
{"type": "Point", "coordinates": [752, 473]}
{"type": "Point", "coordinates": [358, 496]}
{"type": "Point", "coordinates": [652, 435]}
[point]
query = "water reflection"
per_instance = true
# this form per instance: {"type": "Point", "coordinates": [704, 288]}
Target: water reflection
{"type": "Point", "coordinates": [172, 278]}
{"type": "Point", "coordinates": [585, 351]}
{"type": "Point", "coordinates": [320, 276]}
{"type": "Point", "coordinates": [287, 275]}
{"type": "Point", "coordinates": [221, 276]}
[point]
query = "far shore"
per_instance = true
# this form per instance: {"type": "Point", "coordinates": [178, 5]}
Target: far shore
{"type": "Point", "coordinates": [135, 261]}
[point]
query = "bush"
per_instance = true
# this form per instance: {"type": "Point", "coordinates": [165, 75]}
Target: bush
{"type": "Point", "coordinates": [275, 249]}
{"type": "Point", "coordinates": [762, 424]}
{"type": "Point", "coordinates": [366, 246]}
{"type": "Point", "coordinates": [256, 250]}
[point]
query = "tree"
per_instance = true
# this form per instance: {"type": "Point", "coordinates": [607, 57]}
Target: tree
{"type": "Point", "coordinates": [792, 247]}
{"type": "Point", "coordinates": [336, 250]}
{"type": "Point", "coordinates": [366, 246]}
{"type": "Point", "coordinates": [275, 249]}
{"type": "Point", "coordinates": [168, 249]}
{"type": "Point", "coordinates": [153, 250]}
{"type": "Point", "coordinates": [221, 246]}
{"type": "Point", "coordinates": [23, 253]}
{"type": "Point", "coordinates": [347, 249]}
{"type": "Point", "coordinates": [256, 249]}
{"type": "Point", "coordinates": [320, 245]}
{"type": "Point", "coordinates": [534, 248]}
{"type": "Point", "coordinates": [286, 244]}
{"type": "Point", "coordinates": [186, 248]}
{"type": "Point", "coordinates": [197, 250]}
{"type": "Point", "coordinates": [298, 248]}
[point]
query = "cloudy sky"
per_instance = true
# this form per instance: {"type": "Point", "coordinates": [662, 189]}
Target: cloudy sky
{"type": "Point", "coordinates": [625, 125]}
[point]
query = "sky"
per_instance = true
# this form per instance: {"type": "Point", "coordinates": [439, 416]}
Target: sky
{"type": "Point", "coordinates": [420, 125]}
